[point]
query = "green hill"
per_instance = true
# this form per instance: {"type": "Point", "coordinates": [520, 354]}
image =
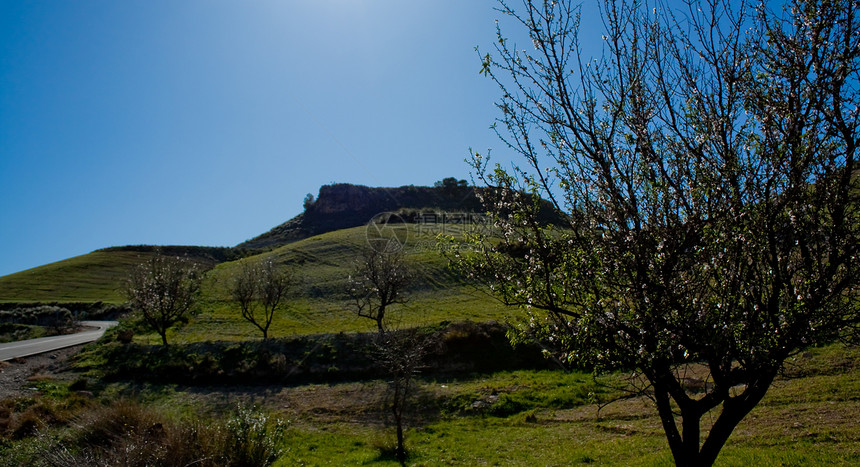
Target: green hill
{"type": "Point", "coordinates": [95, 277]}
{"type": "Point", "coordinates": [319, 247]}
{"type": "Point", "coordinates": [319, 303]}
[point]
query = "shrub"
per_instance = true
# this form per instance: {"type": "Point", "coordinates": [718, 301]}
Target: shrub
{"type": "Point", "coordinates": [129, 434]}
{"type": "Point", "coordinates": [57, 318]}
{"type": "Point", "coordinates": [254, 438]}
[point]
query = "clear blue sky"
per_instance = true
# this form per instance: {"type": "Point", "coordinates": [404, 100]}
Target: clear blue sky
{"type": "Point", "coordinates": [205, 122]}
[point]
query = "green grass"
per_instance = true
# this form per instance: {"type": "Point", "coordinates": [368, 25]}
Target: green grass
{"type": "Point", "coordinates": [809, 418]}
{"type": "Point", "coordinates": [510, 393]}
{"type": "Point", "coordinates": [222, 321]}
{"type": "Point", "coordinates": [95, 277]}
{"type": "Point", "coordinates": [318, 302]}
{"type": "Point", "coordinates": [803, 421]}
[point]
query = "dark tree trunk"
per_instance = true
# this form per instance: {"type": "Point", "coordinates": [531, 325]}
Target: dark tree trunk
{"type": "Point", "coordinates": [734, 410]}
{"type": "Point", "coordinates": [397, 411]}
{"type": "Point", "coordinates": [401, 449]}
{"type": "Point", "coordinates": [684, 444]}
{"type": "Point", "coordinates": [667, 418]}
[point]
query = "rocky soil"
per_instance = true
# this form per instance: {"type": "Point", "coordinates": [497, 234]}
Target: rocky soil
{"type": "Point", "coordinates": [16, 374]}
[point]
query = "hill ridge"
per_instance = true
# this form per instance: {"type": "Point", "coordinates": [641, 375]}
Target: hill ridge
{"type": "Point", "coordinates": [344, 205]}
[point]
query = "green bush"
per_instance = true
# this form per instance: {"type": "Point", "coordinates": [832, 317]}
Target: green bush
{"type": "Point", "coordinates": [254, 439]}
{"type": "Point", "coordinates": [58, 319]}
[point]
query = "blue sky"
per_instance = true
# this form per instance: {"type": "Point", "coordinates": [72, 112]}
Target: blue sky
{"type": "Point", "coordinates": [205, 122]}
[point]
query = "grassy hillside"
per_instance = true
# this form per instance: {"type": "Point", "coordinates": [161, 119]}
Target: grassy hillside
{"type": "Point", "coordinates": [317, 303]}
{"type": "Point", "coordinates": [94, 277]}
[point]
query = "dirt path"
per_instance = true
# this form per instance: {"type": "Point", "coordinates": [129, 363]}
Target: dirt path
{"type": "Point", "coordinates": [15, 374]}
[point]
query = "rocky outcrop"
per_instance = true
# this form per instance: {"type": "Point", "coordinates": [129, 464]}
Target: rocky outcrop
{"type": "Point", "coordinates": [342, 205]}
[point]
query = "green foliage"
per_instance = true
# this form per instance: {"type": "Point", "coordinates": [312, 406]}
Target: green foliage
{"type": "Point", "coordinates": [308, 202]}
{"type": "Point", "coordinates": [317, 358]}
{"type": "Point", "coordinates": [254, 438]}
{"type": "Point", "coordinates": [43, 315]}
{"type": "Point", "coordinates": [33, 322]}
{"type": "Point", "coordinates": [11, 332]}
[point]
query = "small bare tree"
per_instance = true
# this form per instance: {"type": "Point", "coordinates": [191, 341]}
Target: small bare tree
{"type": "Point", "coordinates": [259, 289]}
{"type": "Point", "coordinates": [163, 290]}
{"type": "Point", "coordinates": [378, 281]}
{"type": "Point", "coordinates": [401, 354]}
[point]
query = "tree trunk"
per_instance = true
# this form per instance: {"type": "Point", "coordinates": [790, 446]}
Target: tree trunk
{"type": "Point", "coordinates": [734, 410]}
{"type": "Point", "coordinates": [401, 449]}
{"type": "Point", "coordinates": [397, 411]}
{"type": "Point", "coordinates": [690, 420]}
{"type": "Point", "coordinates": [667, 418]}
{"type": "Point", "coordinates": [685, 447]}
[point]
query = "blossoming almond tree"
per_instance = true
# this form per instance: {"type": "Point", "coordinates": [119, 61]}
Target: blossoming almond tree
{"type": "Point", "coordinates": [163, 290]}
{"type": "Point", "coordinates": [706, 163]}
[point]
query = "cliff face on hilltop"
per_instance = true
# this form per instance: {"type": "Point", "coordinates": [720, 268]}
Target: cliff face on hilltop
{"type": "Point", "coordinates": [342, 206]}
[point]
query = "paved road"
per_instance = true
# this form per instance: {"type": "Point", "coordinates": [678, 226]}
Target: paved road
{"type": "Point", "coordinates": [47, 344]}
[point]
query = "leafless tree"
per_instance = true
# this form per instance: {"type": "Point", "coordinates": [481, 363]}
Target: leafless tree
{"type": "Point", "coordinates": [378, 281]}
{"type": "Point", "coordinates": [259, 290]}
{"type": "Point", "coordinates": [401, 353]}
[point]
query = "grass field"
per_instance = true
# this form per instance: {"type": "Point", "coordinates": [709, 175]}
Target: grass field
{"type": "Point", "coordinates": [95, 277]}
{"type": "Point", "coordinates": [317, 303]}
{"type": "Point", "coordinates": [809, 417]}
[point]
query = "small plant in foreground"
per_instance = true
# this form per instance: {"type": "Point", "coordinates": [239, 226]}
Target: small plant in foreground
{"type": "Point", "coordinates": [254, 438]}
{"type": "Point", "coordinates": [126, 433]}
